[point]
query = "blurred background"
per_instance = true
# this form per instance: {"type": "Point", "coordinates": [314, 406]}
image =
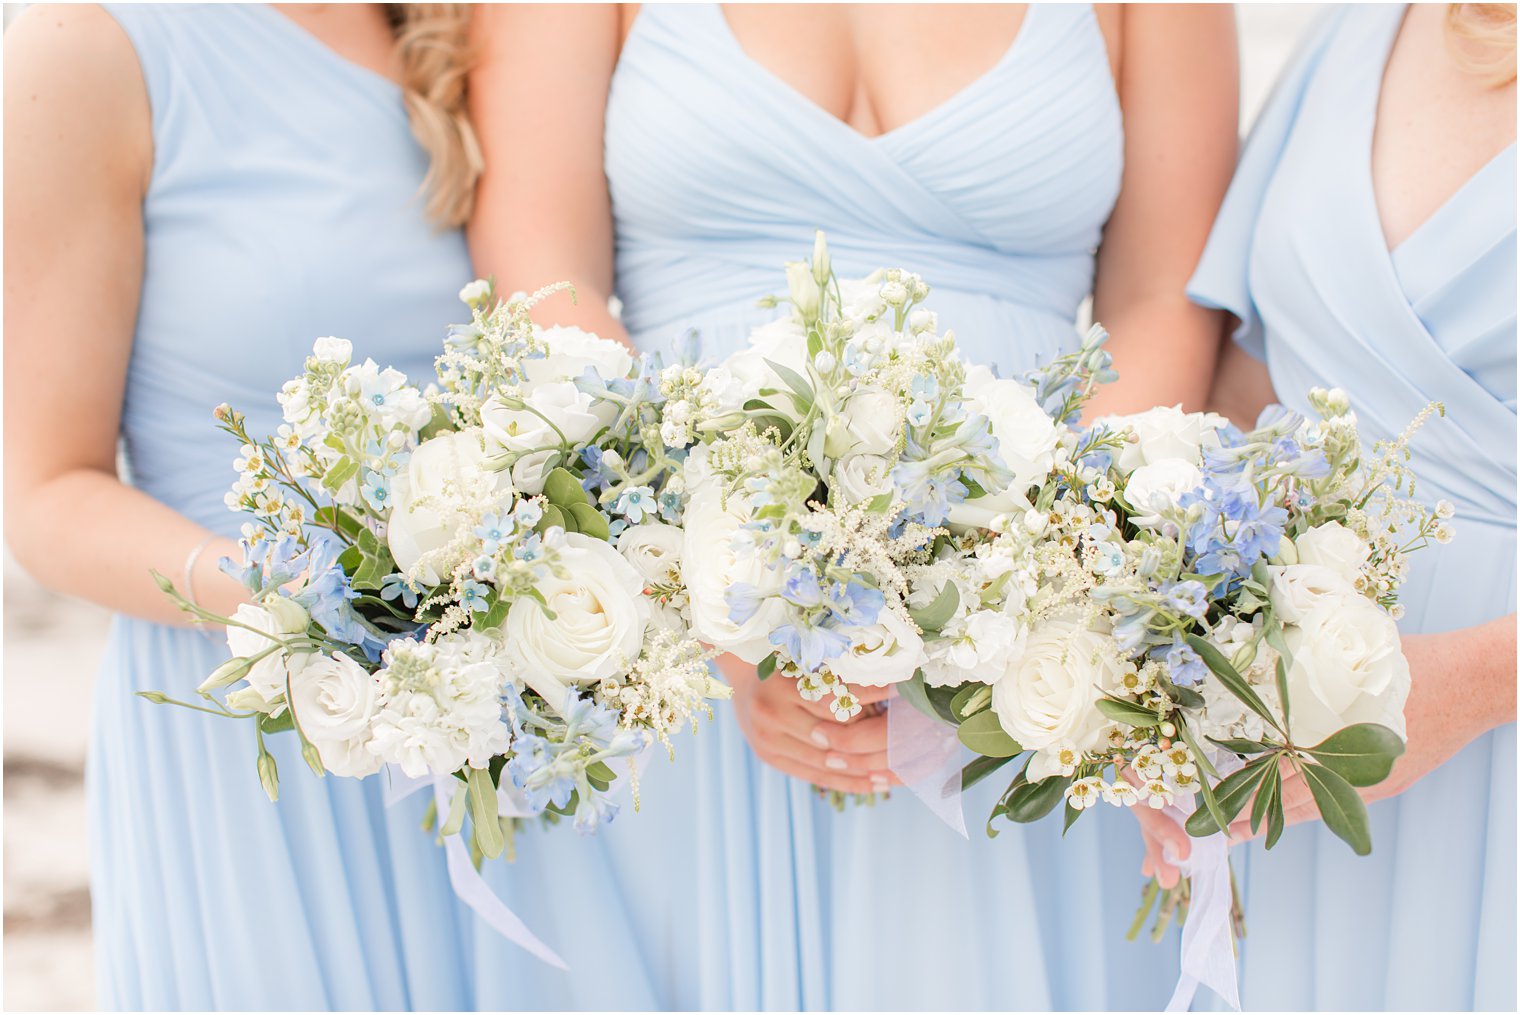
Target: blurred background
{"type": "Point", "coordinates": [52, 645]}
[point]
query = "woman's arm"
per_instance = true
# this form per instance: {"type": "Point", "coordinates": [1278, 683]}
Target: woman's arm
{"type": "Point", "coordinates": [1178, 79]}
{"type": "Point", "coordinates": [1242, 383]}
{"type": "Point", "coordinates": [538, 99]}
{"type": "Point", "coordinates": [78, 153]}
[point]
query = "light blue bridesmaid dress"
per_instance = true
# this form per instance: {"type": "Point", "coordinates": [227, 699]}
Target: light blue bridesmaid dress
{"type": "Point", "coordinates": [1428, 920]}
{"type": "Point", "coordinates": [284, 205]}
{"type": "Point", "coordinates": [719, 172]}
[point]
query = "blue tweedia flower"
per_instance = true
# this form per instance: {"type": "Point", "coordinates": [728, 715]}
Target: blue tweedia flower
{"type": "Point", "coordinates": [924, 387]}
{"type": "Point", "coordinates": [394, 586]}
{"type": "Point", "coordinates": [475, 597]}
{"type": "Point", "coordinates": [484, 567]}
{"type": "Point", "coordinates": [528, 514]}
{"type": "Point", "coordinates": [920, 412]}
{"type": "Point", "coordinates": [636, 504]}
{"type": "Point", "coordinates": [328, 597]}
{"type": "Point", "coordinates": [1190, 598]}
{"type": "Point", "coordinates": [530, 550]}
{"type": "Point", "coordinates": [376, 492]}
{"type": "Point", "coordinates": [492, 532]}
{"type": "Point", "coordinates": [810, 646]}
{"type": "Point", "coordinates": [670, 508]}
{"type": "Point", "coordinates": [1131, 632]}
{"type": "Point", "coordinates": [1186, 667]}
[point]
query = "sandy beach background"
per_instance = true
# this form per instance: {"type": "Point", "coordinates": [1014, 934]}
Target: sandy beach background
{"type": "Point", "coordinates": [52, 646]}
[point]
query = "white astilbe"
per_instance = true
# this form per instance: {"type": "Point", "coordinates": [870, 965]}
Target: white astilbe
{"type": "Point", "coordinates": [667, 688]}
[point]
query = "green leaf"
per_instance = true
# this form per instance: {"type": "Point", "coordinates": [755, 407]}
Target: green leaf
{"type": "Point", "coordinates": [1340, 807]}
{"type": "Point", "coordinates": [1183, 696]}
{"type": "Point", "coordinates": [1362, 754]}
{"type": "Point", "coordinates": [600, 771]}
{"type": "Point", "coordinates": [1230, 796]}
{"type": "Point", "coordinates": [277, 723]}
{"type": "Point", "coordinates": [880, 503]}
{"type": "Point", "coordinates": [1270, 789]}
{"type": "Point", "coordinates": [590, 521]}
{"type": "Point", "coordinates": [767, 666]}
{"type": "Point", "coordinates": [1031, 801]}
{"type": "Point", "coordinates": [483, 813]}
{"type": "Point", "coordinates": [1275, 821]}
{"type": "Point", "coordinates": [799, 385]}
{"type": "Point", "coordinates": [984, 734]}
{"type": "Point", "coordinates": [936, 615]}
{"type": "Point", "coordinates": [1233, 681]}
{"type": "Point", "coordinates": [457, 807]}
{"type": "Point", "coordinates": [494, 617]}
{"type": "Point", "coordinates": [1239, 746]}
{"type": "Point", "coordinates": [563, 490]}
{"type": "Point", "coordinates": [334, 517]}
{"type": "Point", "coordinates": [1127, 712]}
{"type": "Point", "coordinates": [437, 425]}
{"type": "Point", "coordinates": [553, 519]}
{"type": "Point", "coordinates": [979, 768]}
{"type": "Point", "coordinates": [343, 470]}
{"type": "Point", "coordinates": [1072, 814]}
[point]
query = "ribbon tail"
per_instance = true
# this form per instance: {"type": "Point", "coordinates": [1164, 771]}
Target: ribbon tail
{"type": "Point", "coordinates": [399, 785]}
{"type": "Point", "coordinates": [927, 756]}
{"type": "Point", "coordinates": [1208, 947]}
{"type": "Point", "coordinates": [475, 893]}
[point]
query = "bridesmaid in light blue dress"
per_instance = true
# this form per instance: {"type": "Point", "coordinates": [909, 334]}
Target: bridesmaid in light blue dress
{"type": "Point", "coordinates": [1299, 256]}
{"type": "Point", "coordinates": [716, 172]}
{"type": "Point", "coordinates": [279, 200]}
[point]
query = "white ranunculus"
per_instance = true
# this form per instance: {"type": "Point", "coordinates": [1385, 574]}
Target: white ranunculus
{"type": "Point", "coordinates": [276, 618]}
{"type": "Point", "coordinates": [858, 478]}
{"type": "Point", "coordinates": [599, 616]}
{"type": "Point", "coordinates": [429, 497]}
{"type": "Point", "coordinates": [333, 350]}
{"type": "Point", "coordinates": [887, 652]}
{"type": "Point", "coordinates": [872, 418]}
{"type": "Point", "coordinates": [570, 352]}
{"type": "Point", "coordinates": [335, 701]}
{"type": "Point", "coordinates": [654, 550]}
{"type": "Point", "coordinates": [710, 565]}
{"type": "Point", "coordinates": [1299, 589]}
{"type": "Point", "coordinates": [1348, 668]}
{"type": "Point", "coordinates": [1165, 432]}
{"type": "Point", "coordinates": [1048, 696]}
{"type": "Point", "coordinates": [1158, 486]}
{"type": "Point", "coordinates": [1333, 546]}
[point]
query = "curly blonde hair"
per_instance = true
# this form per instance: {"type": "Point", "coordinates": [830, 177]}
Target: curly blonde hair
{"type": "Point", "coordinates": [1482, 38]}
{"type": "Point", "coordinates": [432, 50]}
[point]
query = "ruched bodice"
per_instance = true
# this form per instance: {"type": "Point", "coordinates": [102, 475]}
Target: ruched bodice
{"type": "Point", "coordinates": [720, 171]}
{"type": "Point", "coordinates": [284, 205]}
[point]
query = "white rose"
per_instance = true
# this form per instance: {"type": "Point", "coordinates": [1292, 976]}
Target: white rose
{"type": "Point", "coordinates": [1048, 697]}
{"type": "Point", "coordinates": [1300, 589]}
{"type": "Point", "coordinates": [887, 652]}
{"type": "Point", "coordinates": [429, 496]}
{"type": "Point", "coordinates": [333, 350]}
{"type": "Point", "coordinates": [1347, 668]}
{"type": "Point", "coordinates": [1333, 546]}
{"type": "Point", "coordinates": [528, 430]}
{"type": "Point", "coordinates": [781, 341]}
{"type": "Point", "coordinates": [335, 700]}
{"type": "Point", "coordinates": [710, 565]}
{"type": "Point", "coordinates": [654, 550]}
{"type": "Point", "coordinates": [858, 478]}
{"type": "Point", "coordinates": [1158, 486]}
{"type": "Point", "coordinates": [275, 619]}
{"type": "Point", "coordinates": [570, 352]}
{"type": "Point", "coordinates": [872, 418]}
{"type": "Point", "coordinates": [1165, 432]}
{"type": "Point", "coordinates": [598, 623]}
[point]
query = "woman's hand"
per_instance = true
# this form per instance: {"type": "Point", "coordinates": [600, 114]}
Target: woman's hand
{"type": "Point", "coordinates": [803, 739]}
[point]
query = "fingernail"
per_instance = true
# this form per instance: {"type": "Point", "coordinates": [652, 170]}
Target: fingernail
{"type": "Point", "coordinates": [835, 762]}
{"type": "Point", "coordinates": [820, 738]}
{"type": "Point", "coordinates": [880, 783]}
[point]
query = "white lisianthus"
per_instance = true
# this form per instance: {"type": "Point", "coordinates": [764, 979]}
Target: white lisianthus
{"type": "Point", "coordinates": [275, 619]}
{"type": "Point", "coordinates": [1347, 668]}
{"type": "Point", "coordinates": [528, 432]}
{"type": "Point", "coordinates": [333, 350]}
{"type": "Point", "coordinates": [872, 418]}
{"type": "Point", "coordinates": [594, 625]}
{"type": "Point", "coordinates": [859, 478]}
{"type": "Point", "coordinates": [711, 564]}
{"type": "Point", "coordinates": [335, 701]}
{"type": "Point", "coordinates": [570, 352]}
{"type": "Point", "coordinates": [475, 292]}
{"type": "Point", "coordinates": [887, 652]}
{"type": "Point", "coordinates": [1333, 546]}
{"type": "Point", "coordinates": [1165, 432]}
{"type": "Point", "coordinates": [1049, 696]}
{"type": "Point", "coordinates": [1300, 589]}
{"type": "Point", "coordinates": [1158, 486]}
{"type": "Point", "coordinates": [434, 497]}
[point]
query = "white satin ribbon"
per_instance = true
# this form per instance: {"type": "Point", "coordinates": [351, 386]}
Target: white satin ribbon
{"type": "Point", "coordinates": [1208, 946]}
{"type": "Point", "coordinates": [928, 757]}
{"type": "Point", "coordinates": [463, 877]}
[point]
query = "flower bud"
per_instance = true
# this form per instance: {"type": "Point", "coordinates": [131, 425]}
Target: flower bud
{"type": "Point", "coordinates": [230, 672]}
{"type": "Point", "coordinates": [821, 266]}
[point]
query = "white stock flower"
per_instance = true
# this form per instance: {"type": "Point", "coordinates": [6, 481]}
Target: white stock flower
{"type": "Point", "coordinates": [335, 701]}
{"type": "Point", "coordinates": [1333, 546]}
{"type": "Point", "coordinates": [433, 497]}
{"type": "Point", "coordinates": [711, 564]}
{"type": "Point", "coordinates": [599, 616]}
{"type": "Point", "coordinates": [1165, 432]}
{"type": "Point", "coordinates": [887, 652]}
{"type": "Point", "coordinates": [275, 619]}
{"type": "Point", "coordinates": [333, 350]}
{"type": "Point", "coordinates": [440, 704]}
{"type": "Point", "coordinates": [1348, 668]}
{"type": "Point", "coordinates": [1048, 697]}
{"type": "Point", "coordinates": [1158, 486]}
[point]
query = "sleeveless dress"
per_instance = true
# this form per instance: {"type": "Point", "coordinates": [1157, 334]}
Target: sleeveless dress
{"type": "Point", "coordinates": [284, 205]}
{"type": "Point", "coordinates": [1428, 920]}
{"type": "Point", "coordinates": [719, 172]}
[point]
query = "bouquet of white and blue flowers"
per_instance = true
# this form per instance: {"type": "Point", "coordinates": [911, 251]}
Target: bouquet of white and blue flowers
{"type": "Point", "coordinates": [473, 582]}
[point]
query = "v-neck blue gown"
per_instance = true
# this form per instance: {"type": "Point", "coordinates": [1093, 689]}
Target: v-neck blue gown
{"type": "Point", "coordinates": [1428, 920]}
{"type": "Point", "coordinates": [719, 172]}
{"type": "Point", "coordinates": [284, 205]}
